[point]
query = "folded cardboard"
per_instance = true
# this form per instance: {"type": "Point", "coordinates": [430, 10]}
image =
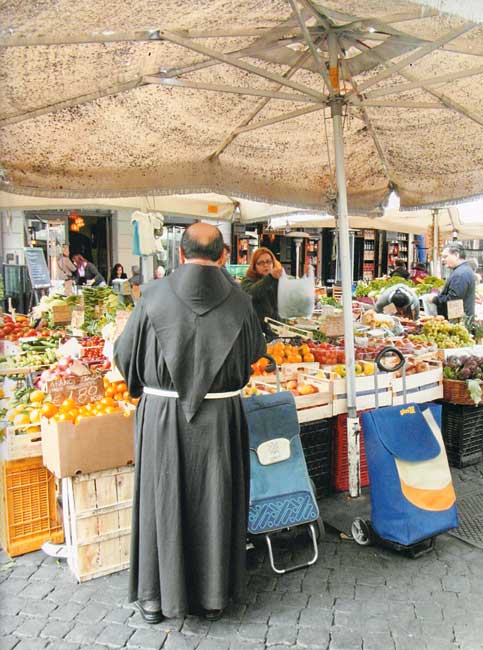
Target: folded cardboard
{"type": "Point", "coordinates": [95, 444]}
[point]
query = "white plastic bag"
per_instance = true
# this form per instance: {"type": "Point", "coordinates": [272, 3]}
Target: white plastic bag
{"type": "Point", "coordinates": [296, 297]}
{"type": "Point", "coordinates": [430, 308]}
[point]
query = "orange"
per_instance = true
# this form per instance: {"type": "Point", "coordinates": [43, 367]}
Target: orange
{"type": "Point", "coordinates": [309, 357]}
{"type": "Point", "coordinates": [121, 386]}
{"type": "Point", "coordinates": [48, 410]}
{"type": "Point", "coordinates": [109, 391]}
{"type": "Point", "coordinates": [68, 404]}
{"type": "Point", "coordinates": [37, 396]}
{"type": "Point", "coordinates": [125, 395]}
{"type": "Point", "coordinates": [108, 401]}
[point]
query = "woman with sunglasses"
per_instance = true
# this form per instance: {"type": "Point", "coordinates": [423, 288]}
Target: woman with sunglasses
{"type": "Point", "coordinates": [261, 283]}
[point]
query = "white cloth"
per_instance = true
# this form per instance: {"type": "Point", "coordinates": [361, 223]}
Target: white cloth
{"type": "Point", "coordinates": [160, 392]}
{"type": "Point", "coordinates": [148, 223]}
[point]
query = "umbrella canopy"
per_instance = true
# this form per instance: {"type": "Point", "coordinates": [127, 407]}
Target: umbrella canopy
{"type": "Point", "coordinates": [233, 98]}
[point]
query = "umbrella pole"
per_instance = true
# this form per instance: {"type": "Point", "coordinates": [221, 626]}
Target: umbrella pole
{"type": "Point", "coordinates": [353, 427]}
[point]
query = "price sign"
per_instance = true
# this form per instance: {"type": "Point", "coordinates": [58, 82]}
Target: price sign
{"type": "Point", "coordinates": [77, 319]}
{"type": "Point", "coordinates": [83, 390]}
{"type": "Point", "coordinates": [455, 309]}
{"type": "Point", "coordinates": [61, 314]}
{"type": "Point", "coordinates": [37, 268]}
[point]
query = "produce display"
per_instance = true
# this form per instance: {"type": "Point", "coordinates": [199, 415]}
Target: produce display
{"type": "Point", "coordinates": [374, 288]}
{"type": "Point", "coordinates": [468, 368]}
{"type": "Point", "coordinates": [34, 354]}
{"type": "Point", "coordinates": [100, 307]}
{"type": "Point", "coordinates": [444, 334]}
{"type": "Point", "coordinates": [13, 330]}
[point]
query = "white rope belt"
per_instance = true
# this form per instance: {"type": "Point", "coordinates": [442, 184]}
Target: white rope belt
{"type": "Point", "coordinates": [160, 392]}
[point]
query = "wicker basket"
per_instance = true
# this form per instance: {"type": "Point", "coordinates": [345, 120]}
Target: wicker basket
{"type": "Point", "coordinates": [456, 391]}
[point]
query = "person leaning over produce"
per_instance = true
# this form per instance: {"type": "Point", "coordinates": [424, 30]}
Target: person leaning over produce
{"type": "Point", "coordinates": [404, 299]}
{"type": "Point", "coordinates": [460, 285]}
{"type": "Point", "coordinates": [87, 272]}
{"type": "Point", "coordinates": [261, 283]}
{"type": "Point", "coordinates": [186, 350]}
{"type": "Point", "coordinates": [66, 266]}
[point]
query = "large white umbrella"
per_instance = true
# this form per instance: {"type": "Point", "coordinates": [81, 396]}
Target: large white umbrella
{"type": "Point", "coordinates": [255, 99]}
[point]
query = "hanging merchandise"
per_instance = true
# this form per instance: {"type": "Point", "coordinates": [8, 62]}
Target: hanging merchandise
{"type": "Point", "coordinates": [147, 233]}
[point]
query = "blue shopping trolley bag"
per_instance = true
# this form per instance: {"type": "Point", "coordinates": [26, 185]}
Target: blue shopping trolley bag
{"type": "Point", "coordinates": [412, 494]}
{"type": "Point", "coordinates": [281, 495]}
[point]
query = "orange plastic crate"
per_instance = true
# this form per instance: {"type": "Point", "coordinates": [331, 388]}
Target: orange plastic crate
{"type": "Point", "coordinates": [29, 515]}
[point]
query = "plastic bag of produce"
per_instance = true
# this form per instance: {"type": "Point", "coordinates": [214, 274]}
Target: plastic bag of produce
{"type": "Point", "coordinates": [296, 296]}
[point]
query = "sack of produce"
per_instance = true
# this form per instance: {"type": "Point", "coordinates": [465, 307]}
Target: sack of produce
{"type": "Point", "coordinates": [296, 296]}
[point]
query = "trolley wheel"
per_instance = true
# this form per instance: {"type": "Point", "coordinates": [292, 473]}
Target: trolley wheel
{"type": "Point", "coordinates": [361, 532]}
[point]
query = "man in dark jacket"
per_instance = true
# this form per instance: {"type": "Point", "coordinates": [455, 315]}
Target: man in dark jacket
{"type": "Point", "coordinates": [461, 283]}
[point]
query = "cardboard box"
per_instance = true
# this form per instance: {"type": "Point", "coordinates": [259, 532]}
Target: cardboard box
{"type": "Point", "coordinates": [95, 444]}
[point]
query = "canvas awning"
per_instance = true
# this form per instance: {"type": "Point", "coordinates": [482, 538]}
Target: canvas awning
{"type": "Point", "coordinates": [144, 98]}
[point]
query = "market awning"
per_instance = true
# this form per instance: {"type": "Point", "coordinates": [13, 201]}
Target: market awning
{"type": "Point", "coordinates": [230, 97]}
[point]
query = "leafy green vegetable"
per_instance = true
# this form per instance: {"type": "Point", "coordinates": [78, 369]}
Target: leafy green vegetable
{"type": "Point", "coordinates": [474, 389]}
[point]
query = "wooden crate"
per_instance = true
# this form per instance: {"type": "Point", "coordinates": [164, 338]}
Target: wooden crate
{"type": "Point", "coordinates": [420, 387]}
{"type": "Point", "coordinates": [365, 392]}
{"type": "Point", "coordinates": [23, 441]}
{"type": "Point", "coordinates": [97, 521]}
{"type": "Point", "coordinates": [29, 512]}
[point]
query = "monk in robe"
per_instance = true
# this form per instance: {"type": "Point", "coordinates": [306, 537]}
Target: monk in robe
{"type": "Point", "coordinates": [186, 351]}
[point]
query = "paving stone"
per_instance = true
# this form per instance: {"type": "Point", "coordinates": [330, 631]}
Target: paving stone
{"type": "Point", "coordinates": [342, 590]}
{"type": "Point", "coordinates": [147, 639]}
{"type": "Point", "coordinates": [12, 587]}
{"type": "Point", "coordinates": [177, 641]}
{"type": "Point", "coordinates": [9, 623]}
{"type": "Point", "coordinates": [214, 644]}
{"type": "Point", "coordinates": [223, 630]}
{"type": "Point", "coordinates": [295, 600]}
{"type": "Point", "coordinates": [115, 636]}
{"type": "Point", "coordinates": [47, 572]}
{"type": "Point", "coordinates": [8, 642]}
{"type": "Point", "coordinates": [460, 584]}
{"type": "Point", "coordinates": [438, 644]}
{"type": "Point", "coordinates": [31, 644]}
{"type": "Point", "coordinates": [12, 606]}
{"type": "Point", "coordinates": [62, 594]}
{"type": "Point", "coordinates": [315, 617]}
{"type": "Point", "coordinates": [171, 624]}
{"type": "Point", "coordinates": [56, 629]}
{"type": "Point", "coordinates": [281, 635]}
{"type": "Point", "coordinates": [311, 637]}
{"type": "Point", "coordinates": [37, 590]}
{"type": "Point", "coordinates": [67, 612]}
{"type": "Point", "coordinates": [252, 631]}
{"type": "Point", "coordinates": [254, 614]}
{"type": "Point", "coordinates": [117, 615]}
{"type": "Point", "coordinates": [109, 597]}
{"type": "Point", "coordinates": [428, 611]}
{"type": "Point", "coordinates": [31, 627]}
{"type": "Point", "coordinates": [442, 630]}
{"type": "Point", "coordinates": [82, 594]}
{"type": "Point", "coordinates": [61, 645]}
{"type": "Point", "coordinates": [84, 633]}
{"type": "Point", "coordinates": [382, 641]}
{"type": "Point", "coordinates": [409, 643]}
{"type": "Point", "coordinates": [238, 644]}
{"type": "Point", "coordinates": [38, 608]}
{"type": "Point", "coordinates": [345, 639]}
{"type": "Point", "coordinates": [92, 613]}
{"type": "Point", "coordinates": [195, 625]}
{"type": "Point", "coordinates": [284, 617]}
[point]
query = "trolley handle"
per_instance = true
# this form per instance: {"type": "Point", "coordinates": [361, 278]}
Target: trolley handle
{"type": "Point", "coordinates": [271, 367]}
{"type": "Point", "coordinates": [383, 353]}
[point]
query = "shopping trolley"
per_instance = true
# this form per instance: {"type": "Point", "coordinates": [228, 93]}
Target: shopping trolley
{"type": "Point", "coordinates": [412, 494]}
{"type": "Point", "coordinates": [281, 494]}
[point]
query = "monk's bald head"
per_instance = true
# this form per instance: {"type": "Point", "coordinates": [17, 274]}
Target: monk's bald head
{"type": "Point", "coordinates": [202, 241]}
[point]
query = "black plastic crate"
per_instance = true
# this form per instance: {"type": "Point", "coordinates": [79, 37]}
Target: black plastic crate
{"type": "Point", "coordinates": [316, 444]}
{"type": "Point", "coordinates": [463, 434]}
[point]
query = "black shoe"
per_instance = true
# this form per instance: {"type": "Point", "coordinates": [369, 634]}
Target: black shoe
{"type": "Point", "coordinates": [213, 614]}
{"type": "Point", "coordinates": [150, 611]}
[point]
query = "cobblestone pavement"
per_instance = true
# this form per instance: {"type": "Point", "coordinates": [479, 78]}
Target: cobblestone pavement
{"type": "Point", "coordinates": [363, 598]}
